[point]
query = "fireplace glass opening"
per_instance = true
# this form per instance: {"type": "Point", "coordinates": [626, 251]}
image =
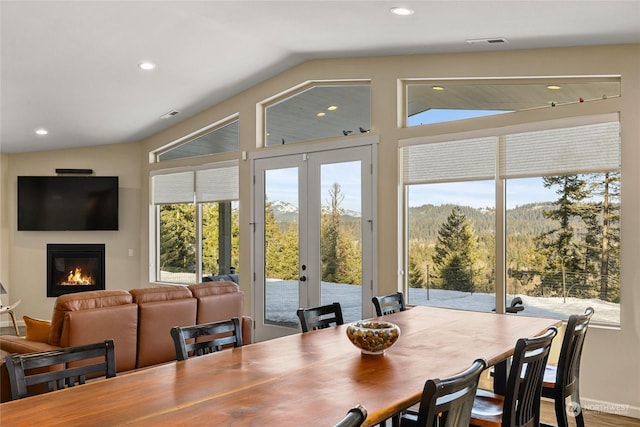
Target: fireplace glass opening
{"type": "Point", "coordinates": [74, 268]}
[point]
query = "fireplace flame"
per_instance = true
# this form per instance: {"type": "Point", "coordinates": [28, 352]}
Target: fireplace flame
{"type": "Point", "coordinates": [76, 277]}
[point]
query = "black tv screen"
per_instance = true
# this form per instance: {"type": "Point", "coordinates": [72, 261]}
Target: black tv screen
{"type": "Point", "coordinates": [61, 203]}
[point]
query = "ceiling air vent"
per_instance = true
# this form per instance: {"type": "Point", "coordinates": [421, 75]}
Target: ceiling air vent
{"type": "Point", "coordinates": [170, 114]}
{"type": "Point", "coordinates": [486, 42]}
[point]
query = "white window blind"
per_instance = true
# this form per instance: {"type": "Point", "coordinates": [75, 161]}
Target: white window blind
{"type": "Point", "coordinates": [462, 160]}
{"type": "Point", "coordinates": [217, 185]}
{"type": "Point", "coordinates": [561, 150]}
{"type": "Point", "coordinates": [173, 188]}
{"type": "Point", "coordinates": [210, 184]}
{"type": "Point", "coordinates": [579, 149]}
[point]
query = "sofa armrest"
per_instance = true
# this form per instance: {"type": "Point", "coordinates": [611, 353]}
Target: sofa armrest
{"type": "Point", "coordinates": [14, 344]}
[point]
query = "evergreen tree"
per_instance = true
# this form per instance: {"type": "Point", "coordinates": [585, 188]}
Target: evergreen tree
{"type": "Point", "coordinates": [456, 253]}
{"type": "Point", "coordinates": [281, 249]}
{"type": "Point", "coordinates": [177, 238]}
{"type": "Point", "coordinates": [341, 252]}
{"type": "Point", "coordinates": [565, 254]}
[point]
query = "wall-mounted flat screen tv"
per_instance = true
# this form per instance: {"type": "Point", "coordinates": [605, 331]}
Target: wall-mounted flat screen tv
{"type": "Point", "coordinates": [67, 203]}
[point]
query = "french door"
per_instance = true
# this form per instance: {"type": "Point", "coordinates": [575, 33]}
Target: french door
{"type": "Point", "coordinates": [313, 240]}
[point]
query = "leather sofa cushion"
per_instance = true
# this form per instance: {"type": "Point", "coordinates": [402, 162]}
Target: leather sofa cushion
{"type": "Point", "coordinates": [160, 309]}
{"type": "Point", "coordinates": [98, 324]}
{"type": "Point", "coordinates": [213, 288]}
{"type": "Point", "coordinates": [219, 301]}
{"type": "Point", "coordinates": [83, 301]}
{"type": "Point", "coordinates": [164, 293]}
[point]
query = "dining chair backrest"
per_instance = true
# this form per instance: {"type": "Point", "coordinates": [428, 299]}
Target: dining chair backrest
{"type": "Point", "coordinates": [354, 418]}
{"type": "Point", "coordinates": [206, 338]}
{"type": "Point", "coordinates": [320, 317]}
{"type": "Point", "coordinates": [447, 402]}
{"type": "Point", "coordinates": [387, 304]}
{"type": "Point", "coordinates": [60, 368]}
{"type": "Point", "coordinates": [524, 385]}
{"type": "Point", "coordinates": [567, 373]}
{"type": "Point", "coordinates": [571, 350]}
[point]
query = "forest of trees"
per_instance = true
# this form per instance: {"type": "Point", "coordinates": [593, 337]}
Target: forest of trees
{"type": "Point", "coordinates": [568, 247]}
{"type": "Point", "coordinates": [178, 238]}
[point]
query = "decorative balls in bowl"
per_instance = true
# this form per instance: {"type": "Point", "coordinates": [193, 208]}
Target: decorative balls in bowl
{"type": "Point", "coordinates": [373, 337]}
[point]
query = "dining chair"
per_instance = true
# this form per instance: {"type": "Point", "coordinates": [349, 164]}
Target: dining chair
{"type": "Point", "coordinates": [447, 402]}
{"type": "Point", "coordinates": [520, 406]}
{"type": "Point", "coordinates": [69, 365]}
{"type": "Point", "coordinates": [206, 338]}
{"type": "Point", "coordinates": [387, 304]}
{"type": "Point", "coordinates": [561, 381]}
{"type": "Point", "coordinates": [354, 418]}
{"type": "Point", "coordinates": [320, 317]}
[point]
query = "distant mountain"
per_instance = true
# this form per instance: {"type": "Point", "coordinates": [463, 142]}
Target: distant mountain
{"type": "Point", "coordinates": [286, 212]}
{"type": "Point", "coordinates": [426, 220]}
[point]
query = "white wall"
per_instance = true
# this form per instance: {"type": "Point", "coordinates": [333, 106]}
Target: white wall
{"type": "Point", "coordinates": [610, 369]}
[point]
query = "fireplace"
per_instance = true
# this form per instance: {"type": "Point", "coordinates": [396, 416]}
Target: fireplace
{"type": "Point", "coordinates": [74, 268]}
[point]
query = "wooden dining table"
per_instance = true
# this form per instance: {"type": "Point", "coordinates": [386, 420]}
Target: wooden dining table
{"type": "Point", "coordinates": [307, 379]}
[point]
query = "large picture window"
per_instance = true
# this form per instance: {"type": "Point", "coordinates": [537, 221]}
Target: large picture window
{"type": "Point", "coordinates": [196, 215]}
{"type": "Point", "coordinates": [551, 194]}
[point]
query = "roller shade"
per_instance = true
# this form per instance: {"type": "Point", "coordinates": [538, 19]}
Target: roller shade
{"type": "Point", "coordinates": [217, 185]}
{"type": "Point", "coordinates": [579, 149]}
{"type": "Point", "coordinates": [211, 184]}
{"type": "Point", "coordinates": [462, 160]}
{"type": "Point", "coordinates": [592, 147]}
{"type": "Point", "coordinates": [173, 188]}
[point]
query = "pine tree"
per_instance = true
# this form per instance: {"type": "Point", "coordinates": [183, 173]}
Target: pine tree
{"type": "Point", "coordinates": [456, 253]}
{"type": "Point", "coordinates": [177, 238]}
{"type": "Point", "coordinates": [565, 254]}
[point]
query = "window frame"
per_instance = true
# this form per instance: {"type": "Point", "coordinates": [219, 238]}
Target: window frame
{"type": "Point", "coordinates": [500, 187]}
{"type": "Point", "coordinates": [154, 215]}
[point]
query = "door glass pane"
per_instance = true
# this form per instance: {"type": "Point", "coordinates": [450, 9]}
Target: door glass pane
{"type": "Point", "coordinates": [452, 245]}
{"type": "Point", "coordinates": [341, 237]}
{"type": "Point", "coordinates": [281, 258]}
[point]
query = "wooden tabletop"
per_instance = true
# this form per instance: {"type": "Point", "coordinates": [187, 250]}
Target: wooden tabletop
{"type": "Point", "coordinates": [309, 379]}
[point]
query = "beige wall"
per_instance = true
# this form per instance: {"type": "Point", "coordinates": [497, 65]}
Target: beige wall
{"type": "Point", "coordinates": [610, 364]}
{"type": "Point", "coordinates": [27, 249]}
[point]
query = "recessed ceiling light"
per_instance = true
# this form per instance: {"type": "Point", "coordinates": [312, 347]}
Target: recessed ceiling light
{"type": "Point", "coordinates": [147, 66]}
{"type": "Point", "coordinates": [553, 87]}
{"type": "Point", "coordinates": [437, 88]}
{"type": "Point", "coordinates": [402, 11]}
{"type": "Point", "coordinates": [321, 114]}
{"type": "Point", "coordinates": [41, 131]}
{"type": "Point", "coordinates": [332, 107]}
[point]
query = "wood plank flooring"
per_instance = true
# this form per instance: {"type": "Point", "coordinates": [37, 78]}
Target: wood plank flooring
{"type": "Point", "coordinates": [591, 418]}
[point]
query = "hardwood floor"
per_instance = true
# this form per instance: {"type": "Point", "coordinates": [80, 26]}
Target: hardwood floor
{"type": "Point", "coordinates": [591, 418]}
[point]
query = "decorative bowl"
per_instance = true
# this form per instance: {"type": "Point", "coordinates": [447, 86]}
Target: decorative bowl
{"type": "Point", "coordinates": [373, 337]}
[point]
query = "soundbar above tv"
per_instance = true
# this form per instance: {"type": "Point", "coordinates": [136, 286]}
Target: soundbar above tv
{"type": "Point", "coordinates": [67, 203]}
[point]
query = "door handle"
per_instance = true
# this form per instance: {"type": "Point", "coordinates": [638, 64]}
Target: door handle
{"type": "Point", "coordinates": [303, 278]}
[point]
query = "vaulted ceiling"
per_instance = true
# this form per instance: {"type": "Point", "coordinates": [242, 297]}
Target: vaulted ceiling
{"type": "Point", "coordinates": [71, 67]}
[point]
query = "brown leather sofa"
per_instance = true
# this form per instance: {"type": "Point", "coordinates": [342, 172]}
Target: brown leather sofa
{"type": "Point", "coordinates": [138, 321]}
